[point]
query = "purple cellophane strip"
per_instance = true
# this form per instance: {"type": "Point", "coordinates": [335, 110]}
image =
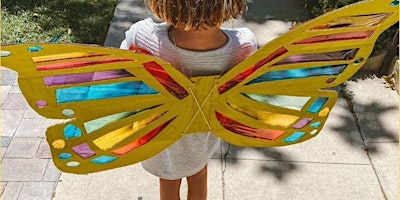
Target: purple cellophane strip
{"type": "Point", "coordinates": [348, 54]}
{"type": "Point", "coordinates": [85, 77]}
{"type": "Point", "coordinates": [83, 150]}
{"type": "Point", "coordinates": [302, 123]}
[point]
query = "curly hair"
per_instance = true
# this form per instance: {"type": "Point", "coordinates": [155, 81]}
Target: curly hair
{"type": "Point", "coordinates": [197, 14]}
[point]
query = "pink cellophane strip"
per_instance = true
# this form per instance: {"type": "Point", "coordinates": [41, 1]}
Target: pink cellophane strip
{"type": "Point", "coordinates": [242, 129]}
{"type": "Point", "coordinates": [67, 79]}
{"type": "Point", "coordinates": [337, 37]}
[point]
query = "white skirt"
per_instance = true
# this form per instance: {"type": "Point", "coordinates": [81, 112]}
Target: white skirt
{"type": "Point", "coordinates": [184, 158]}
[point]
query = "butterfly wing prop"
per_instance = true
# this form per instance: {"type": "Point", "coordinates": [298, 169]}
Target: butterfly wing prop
{"type": "Point", "coordinates": [120, 107]}
{"type": "Point", "coordinates": [123, 107]}
{"type": "Point", "coordinates": [276, 96]}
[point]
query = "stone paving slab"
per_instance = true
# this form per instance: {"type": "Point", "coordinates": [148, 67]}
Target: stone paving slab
{"type": "Point", "coordinates": [23, 147]}
{"type": "Point", "coordinates": [247, 179]}
{"type": "Point", "coordinates": [10, 119]}
{"type": "Point", "coordinates": [12, 190]}
{"type": "Point", "coordinates": [15, 101]}
{"type": "Point", "coordinates": [25, 127]}
{"type": "Point", "coordinates": [130, 182]}
{"type": "Point", "coordinates": [17, 169]}
{"type": "Point", "coordinates": [377, 109]}
{"type": "Point", "coordinates": [4, 92]}
{"type": "Point", "coordinates": [37, 190]}
{"type": "Point", "coordinates": [31, 114]}
{"type": "Point", "coordinates": [386, 166]}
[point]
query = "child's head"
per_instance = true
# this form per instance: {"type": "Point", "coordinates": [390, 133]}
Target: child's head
{"type": "Point", "coordinates": [197, 14]}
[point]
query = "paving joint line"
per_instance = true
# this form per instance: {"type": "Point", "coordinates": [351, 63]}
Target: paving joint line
{"type": "Point", "coordinates": [292, 161]}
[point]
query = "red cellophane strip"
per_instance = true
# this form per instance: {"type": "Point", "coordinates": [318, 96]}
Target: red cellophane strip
{"type": "Point", "coordinates": [239, 78]}
{"type": "Point", "coordinates": [139, 50]}
{"type": "Point", "coordinates": [242, 129]}
{"type": "Point", "coordinates": [141, 141]}
{"type": "Point", "coordinates": [166, 80]}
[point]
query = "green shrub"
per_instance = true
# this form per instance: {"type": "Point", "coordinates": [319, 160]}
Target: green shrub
{"type": "Point", "coordinates": [78, 21]}
{"type": "Point", "coordinates": [319, 7]}
{"type": "Point", "coordinates": [25, 26]}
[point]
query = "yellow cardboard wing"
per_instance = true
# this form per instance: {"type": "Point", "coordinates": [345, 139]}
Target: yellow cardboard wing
{"type": "Point", "coordinates": [123, 107]}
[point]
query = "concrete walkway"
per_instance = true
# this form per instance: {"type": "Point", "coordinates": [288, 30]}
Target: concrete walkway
{"type": "Point", "coordinates": [354, 157]}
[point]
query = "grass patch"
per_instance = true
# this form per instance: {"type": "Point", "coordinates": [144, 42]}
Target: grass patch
{"type": "Point", "coordinates": [78, 21]}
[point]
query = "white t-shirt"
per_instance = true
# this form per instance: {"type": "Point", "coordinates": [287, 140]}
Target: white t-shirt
{"type": "Point", "coordinates": [191, 153]}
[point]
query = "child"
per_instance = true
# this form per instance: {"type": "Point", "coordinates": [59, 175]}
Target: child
{"type": "Point", "coordinates": [192, 41]}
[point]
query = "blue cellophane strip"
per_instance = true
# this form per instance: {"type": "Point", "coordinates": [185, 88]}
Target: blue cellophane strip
{"type": "Point", "coordinates": [317, 105]}
{"type": "Point", "coordinates": [104, 91]}
{"type": "Point", "coordinates": [299, 73]}
{"type": "Point", "coordinates": [71, 131]}
{"type": "Point", "coordinates": [103, 159]}
{"type": "Point", "coordinates": [294, 137]}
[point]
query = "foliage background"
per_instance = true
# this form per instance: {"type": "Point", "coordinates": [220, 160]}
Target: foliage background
{"type": "Point", "coordinates": [79, 21]}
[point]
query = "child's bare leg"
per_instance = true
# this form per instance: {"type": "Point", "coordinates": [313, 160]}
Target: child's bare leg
{"type": "Point", "coordinates": [197, 185]}
{"type": "Point", "coordinates": [169, 189]}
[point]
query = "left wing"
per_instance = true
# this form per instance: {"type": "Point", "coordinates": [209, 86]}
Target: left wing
{"type": "Point", "coordinates": [121, 107]}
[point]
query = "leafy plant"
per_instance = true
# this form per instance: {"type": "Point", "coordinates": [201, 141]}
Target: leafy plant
{"type": "Point", "coordinates": [78, 21]}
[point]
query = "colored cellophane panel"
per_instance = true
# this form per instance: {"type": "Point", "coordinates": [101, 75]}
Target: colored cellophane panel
{"type": "Point", "coordinates": [75, 64]}
{"type": "Point", "coordinates": [103, 159]}
{"type": "Point", "coordinates": [337, 37]}
{"type": "Point", "coordinates": [239, 78]}
{"type": "Point", "coordinates": [66, 56]}
{"type": "Point", "coordinates": [67, 79]}
{"type": "Point", "coordinates": [241, 129]}
{"type": "Point", "coordinates": [348, 54]}
{"type": "Point", "coordinates": [72, 131]}
{"type": "Point", "coordinates": [274, 119]}
{"type": "Point", "coordinates": [103, 91]}
{"type": "Point", "coordinates": [113, 138]}
{"type": "Point", "coordinates": [284, 101]}
{"type": "Point", "coordinates": [299, 73]}
{"type": "Point", "coordinates": [143, 140]}
{"type": "Point", "coordinates": [96, 124]}
{"type": "Point", "coordinates": [317, 105]}
{"type": "Point", "coordinates": [165, 80]}
{"type": "Point", "coordinates": [354, 21]}
{"type": "Point", "coordinates": [83, 150]}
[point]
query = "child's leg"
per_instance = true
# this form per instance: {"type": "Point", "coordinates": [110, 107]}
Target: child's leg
{"type": "Point", "coordinates": [169, 189]}
{"type": "Point", "coordinates": [197, 185]}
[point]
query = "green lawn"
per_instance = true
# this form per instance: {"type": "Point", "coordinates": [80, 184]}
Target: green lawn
{"type": "Point", "coordinates": [78, 21]}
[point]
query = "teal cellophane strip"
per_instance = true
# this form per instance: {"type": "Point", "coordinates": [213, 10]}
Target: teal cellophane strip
{"type": "Point", "coordinates": [294, 137]}
{"type": "Point", "coordinates": [290, 102]}
{"type": "Point", "coordinates": [104, 91]}
{"type": "Point", "coordinates": [65, 156]}
{"type": "Point", "coordinates": [299, 73]}
{"type": "Point", "coordinates": [71, 131]}
{"type": "Point", "coordinates": [315, 124]}
{"type": "Point", "coordinates": [103, 159]}
{"type": "Point", "coordinates": [317, 105]}
{"type": "Point", "coordinates": [96, 124]}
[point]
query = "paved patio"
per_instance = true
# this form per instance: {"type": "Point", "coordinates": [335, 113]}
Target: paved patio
{"type": "Point", "coordinates": [354, 157]}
